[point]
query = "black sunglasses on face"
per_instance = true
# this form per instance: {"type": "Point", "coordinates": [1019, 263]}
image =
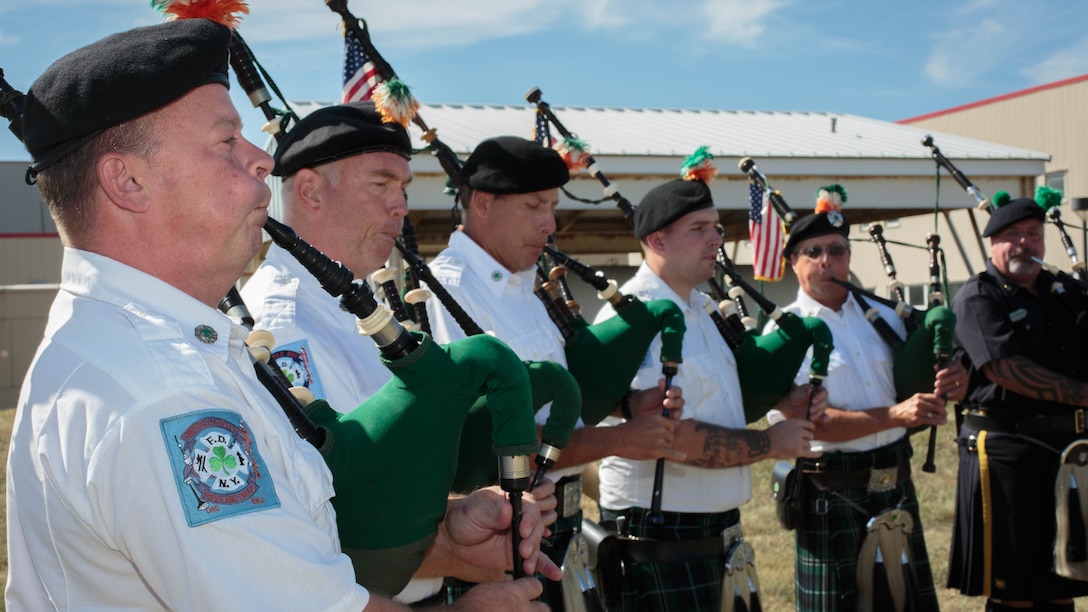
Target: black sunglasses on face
{"type": "Point", "coordinates": [835, 250]}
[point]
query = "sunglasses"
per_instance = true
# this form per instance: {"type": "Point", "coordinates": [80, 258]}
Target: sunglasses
{"type": "Point", "coordinates": [835, 250]}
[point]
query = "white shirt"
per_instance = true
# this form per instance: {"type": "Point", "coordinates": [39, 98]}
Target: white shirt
{"type": "Point", "coordinates": [104, 479]}
{"type": "Point", "coordinates": [708, 376]}
{"type": "Point", "coordinates": [499, 302]}
{"type": "Point", "coordinates": [317, 343]}
{"type": "Point", "coordinates": [859, 371]}
{"type": "Point", "coordinates": [319, 347]}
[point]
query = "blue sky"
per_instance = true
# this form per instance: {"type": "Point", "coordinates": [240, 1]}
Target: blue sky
{"type": "Point", "coordinates": [885, 59]}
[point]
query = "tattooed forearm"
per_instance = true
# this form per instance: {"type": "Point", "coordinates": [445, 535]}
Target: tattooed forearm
{"type": "Point", "coordinates": [1025, 377]}
{"type": "Point", "coordinates": [730, 447]}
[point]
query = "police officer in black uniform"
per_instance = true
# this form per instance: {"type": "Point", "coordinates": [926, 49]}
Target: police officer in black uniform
{"type": "Point", "coordinates": [1022, 334]}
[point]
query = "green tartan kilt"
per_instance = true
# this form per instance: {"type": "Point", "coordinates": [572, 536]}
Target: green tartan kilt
{"type": "Point", "coordinates": [693, 586]}
{"type": "Point", "coordinates": [829, 542]}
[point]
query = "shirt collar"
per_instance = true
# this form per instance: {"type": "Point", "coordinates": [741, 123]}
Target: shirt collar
{"type": "Point", "coordinates": [491, 273]}
{"type": "Point", "coordinates": [97, 277]}
{"type": "Point", "coordinates": [653, 283]}
{"type": "Point", "coordinates": [811, 308]}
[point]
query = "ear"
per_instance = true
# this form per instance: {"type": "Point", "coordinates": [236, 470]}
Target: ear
{"type": "Point", "coordinates": [117, 177]}
{"type": "Point", "coordinates": [655, 241]}
{"type": "Point", "coordinates": [481, 203]}
{"type": "Point", "coordinates": [310, 189]}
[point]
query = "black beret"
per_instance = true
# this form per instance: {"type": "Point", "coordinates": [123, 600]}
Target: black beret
{"type": "Point", "coordinates": [508, 164]}
{"type": "Point", "coordinates": [817, 224]}
{"type": "Point", "coordinates": [336, 132]}
{"type": "Point", "coordinates": [666, 203]}
{"type": "Point", "coordinates": [1016, 210]}
{"type": "Point", "coordinates": [119, 78]}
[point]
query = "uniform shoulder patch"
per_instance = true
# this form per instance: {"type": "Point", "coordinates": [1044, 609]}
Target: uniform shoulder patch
{"type": "Point", "coordinates": [297, 362]}
{"type": "Point", "coordinates": [216, 466]}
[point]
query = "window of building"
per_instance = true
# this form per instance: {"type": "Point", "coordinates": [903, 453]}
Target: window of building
{"type": "Point", "coordinates": [1056, 180]}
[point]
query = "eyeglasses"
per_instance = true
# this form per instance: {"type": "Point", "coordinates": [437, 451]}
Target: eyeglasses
{"type": "Point", "coordinates": [835, 250]}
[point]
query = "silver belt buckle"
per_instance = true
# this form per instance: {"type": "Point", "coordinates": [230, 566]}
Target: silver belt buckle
{"type": "Point", "coordinates": [732, 535]}
{"type": "Point", "coordinates": [883, 479]}
{"type": "Point", "coordinates": [572, 498]}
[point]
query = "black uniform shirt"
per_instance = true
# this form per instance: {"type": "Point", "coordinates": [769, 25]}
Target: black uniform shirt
{"type": "Point", "coordinates": [996, 319]}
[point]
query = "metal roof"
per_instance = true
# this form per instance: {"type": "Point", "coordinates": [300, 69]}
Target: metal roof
{"type": "Point", "coordinates": [729, 133]}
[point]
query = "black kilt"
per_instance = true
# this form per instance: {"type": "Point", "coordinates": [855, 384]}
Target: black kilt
{"type": "Point", "coordinates": [1022, 473]}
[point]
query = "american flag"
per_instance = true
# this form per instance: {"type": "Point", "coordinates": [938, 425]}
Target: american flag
{"type": "Point", "coordinates": [765, 233]}
{"type": "Point", "coordinates": [360, 74]}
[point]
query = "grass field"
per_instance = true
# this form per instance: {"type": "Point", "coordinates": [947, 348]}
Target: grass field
{"type": "Point", "coordinates": [773, 545]}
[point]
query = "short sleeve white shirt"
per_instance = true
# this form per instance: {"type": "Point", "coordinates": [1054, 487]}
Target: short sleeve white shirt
{"type": "Point", "coordinates": [708, 376]}
{"type": "Point", "coordinates": [97, 518]}
{"type": "Point", "coordinates": [859, 372]}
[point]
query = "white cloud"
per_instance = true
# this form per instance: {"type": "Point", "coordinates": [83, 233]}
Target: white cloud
{"type": "Point", "coordinates": [962, 54]}
{"type": "Point", "coordinates": [420, 24]}
{"type": "Point", "coordinates": [8, 39]}
{"type": "Point", "coordinates": [737, 22]}
{"type": "Point", "coordinates": [1063, 64]}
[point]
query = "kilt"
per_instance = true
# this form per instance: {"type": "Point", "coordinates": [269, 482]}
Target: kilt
{"type": "Point", "coordinates": [1022, 473]}
{"type": "Point", "coordinates": [829, 542]}
{"type": "Point", "coordinates": [694, 586]}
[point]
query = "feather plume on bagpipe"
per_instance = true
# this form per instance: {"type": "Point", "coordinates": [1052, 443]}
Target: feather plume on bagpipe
{"type": "Point", "coordinates": [387, 517]}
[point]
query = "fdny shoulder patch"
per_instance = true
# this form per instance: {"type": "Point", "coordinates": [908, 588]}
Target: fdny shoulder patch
{"type": "Point", "coordinates": [216, 466]}
{"type": "Point", "coordinates": [296, 361]}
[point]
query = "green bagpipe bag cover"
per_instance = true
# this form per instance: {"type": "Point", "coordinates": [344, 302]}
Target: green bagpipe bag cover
{"type": "Point", "coordinates": [605, 357]}
{"type": "Point", "coordinates": [767, 365]}
{"type": "Point", "coordinates": [550, 382]}
{"type": "Point", "coordinates": [393, 457]}
{"type": "Point", "coordinates": [913, 360]}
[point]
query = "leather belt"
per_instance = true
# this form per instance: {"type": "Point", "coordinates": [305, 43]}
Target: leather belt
{"type": "Point", "coordinates": [873, 479]}
{"type": "Point", "coordinates": [568, 495]}
{"type": "Point", "coordinates": [1039, 424]}
{"type": "Point", "coordinates": [647, 550]}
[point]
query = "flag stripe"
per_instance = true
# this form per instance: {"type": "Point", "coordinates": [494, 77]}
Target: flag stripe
{"type": "Point", "coordinates": [360, 74]}
{"type": "Point", "coordinates": [766, 235]}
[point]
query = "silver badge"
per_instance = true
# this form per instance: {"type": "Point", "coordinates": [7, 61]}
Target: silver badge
{"type": "Point", "coordinates": [206, 334]}
{"type": "Point", "coordinates": [834, 217]}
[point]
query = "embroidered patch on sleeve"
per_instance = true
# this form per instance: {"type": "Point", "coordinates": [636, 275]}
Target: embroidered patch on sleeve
{"type": "Point", "coordinates": [216, 466]}
{"type": "Point", "coordinates": [296, 361]}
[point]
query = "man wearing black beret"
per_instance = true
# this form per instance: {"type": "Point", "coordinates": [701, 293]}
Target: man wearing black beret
{"type": "Point", "coordinates": [702, 494]}
{"type": "Point", "coordinates": [344, 172]}
{"type": "Point", "coordinates": [510, 188]}
{"type": "Point", "coordinates": [1022, 437]}
{"type": "Point", "coordinates": [865, 468]}
{"type": "Point", "coordinates": [148, 467]}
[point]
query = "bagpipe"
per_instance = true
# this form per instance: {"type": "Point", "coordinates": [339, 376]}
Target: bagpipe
{"type": "Point", "coordinates": [621, 342]}
{"type": "Point", "coordinates": [767, 364]}
{"type": "Point", "coordinates": [413, 422]}
{"type": "Point", "coordinates": [961, 178]}
{"type": "Point", "coordinates": [1048, 199]}
{"type": "Point", "coordinates": [930, 333]}
{"type": "Point", "coordinates": [574, 152]}
{"type": "Point", "coordinates": [748, 166]}
{"type": "Point", "coordinates": [11, 106]}
{"type": "Point", "coordinates": [549, 382]}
